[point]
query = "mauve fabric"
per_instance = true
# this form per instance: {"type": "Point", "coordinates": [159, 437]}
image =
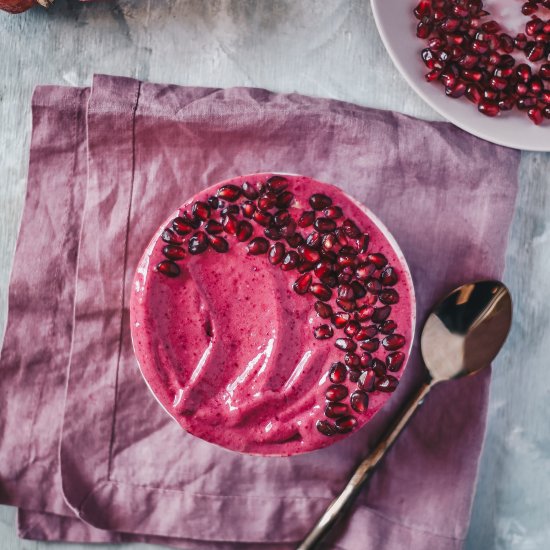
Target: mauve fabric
{"type": "Point", "coordinates": [115, 161]}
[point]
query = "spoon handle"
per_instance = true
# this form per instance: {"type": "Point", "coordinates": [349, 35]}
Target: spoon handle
{"type": "Point", "coordinates": [342, 503]}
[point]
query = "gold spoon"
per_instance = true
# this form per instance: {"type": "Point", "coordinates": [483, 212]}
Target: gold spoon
{"type": "Point", "coordinates": [462, 335]}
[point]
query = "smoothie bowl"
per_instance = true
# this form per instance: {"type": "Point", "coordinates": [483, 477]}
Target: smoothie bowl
{"type": "Point", "coordinates": [272, 314]}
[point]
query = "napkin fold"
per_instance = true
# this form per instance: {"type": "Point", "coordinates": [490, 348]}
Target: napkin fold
{"type": "Point", "coordinates": [78, 423]}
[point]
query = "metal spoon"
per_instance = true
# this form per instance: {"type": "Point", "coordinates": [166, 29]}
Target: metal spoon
{"type": "Point", "coordinates": [462, 335]}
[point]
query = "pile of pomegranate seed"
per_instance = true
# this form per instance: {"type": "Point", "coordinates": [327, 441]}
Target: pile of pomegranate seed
{"type": "Point", "coordinates": [471, 56]}
{"type": "Point", "coordinates": [352, 286]}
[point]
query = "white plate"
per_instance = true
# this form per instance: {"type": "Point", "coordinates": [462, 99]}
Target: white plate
{"type": "Point", "coordinates": [397, 26]}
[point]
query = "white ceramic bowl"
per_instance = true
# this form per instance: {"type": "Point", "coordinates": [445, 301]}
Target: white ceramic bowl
{"type": "Point", "coordinates": [397, 26]}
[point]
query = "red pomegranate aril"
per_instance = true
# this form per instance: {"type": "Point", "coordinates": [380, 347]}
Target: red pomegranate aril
{"type": "Point", "coordinates": [201, 210]}
{"type": "Point", "coordinates": [526, 103]}
{"type": "Point", "coordinates": [365, 360]}
{"type": "Point", "coordinates": [213, 202]}
{"type": "Point", "coordinates": [322, 268]}
{"type": "Point", "coordinates": [364, 271]}
{"type": "Point", "coordinates": [389, 277]}
{"type": "Point", "coordinates": [352, 360]}
{"type": "Point", "coordinates": [232, 209]}
{"type": "Point", "coordinates": [295, 240]}
{"type": "Point", "coordinates": [273, 233]}
{"type": "Point", "coordinates": [546, 112]}
{"type": "Point", "coordinates": [219, 244]}
{"type": "Point", "coordinates": [325, 427]}
{"type": "Point", "coordinates": [262, 218]}
{"type": "Point", "coordinates": [535, 52]}
{"type": "Point", "coordinates": [450, 24]}
{"type": "Point", "coordinates": [480, 46]}
{"type": "Point", "coordinates": [301, 285]}
{"type": "Point", "coordinates": [424, 29]}
{"type": "Point", "coordinates": [284, 200]}
{"type": "Point", "coordinates": [173, 252]}
{"type": "Point", "coordinates": [282, 218]}
{"type": "Point", "coordinates": [229, 193]}
{"type": "Point", "coordinates": [394, 361]}
{"type": "Point", "coordinates": [520, 41]}
{"type": "Point", "coordinates": [345, 424]}
{"type": "Point", "coordinates": [323, 332]}
{"type": "Point", "coordinates": [389, 296]}
{"type": "Point", "coordinates": [366, 333]}
{"type": "Point", "coordinates": [337, 373]}
{"type": "Point", "coordinates": [168, 268]}
{"type": "Point", "coordinates": [244, 231]}
{"type": "Point", "coordinates": [230, 224]}
{"type": "Point", "coordinates": [523, 72]}
{"type": "Point", "coordinates": [249, 191]}
{"type": "Point", "coordinates": [506, 103]}
{"type": "Point", "coordinates": [371, 299]}
{"type": "Point", "coordinates": [277, 184]}
{"type": "Point", "coordinates": [529, 8]}
{"type": "Point", "coordinates": [321, 291]}
{"type": "Point", "coordinates": [379, 260]}
{"type": "Point", "coordinates": [498, 83]}
{"type": "Point", "coordinates": [258, 246]}
{"type": "Point", "coordinates": [304, 266]}
{"type": "Point", "coordinates": [359, 290]}
{"type": "Point", "coordinates": [393, 342]}
{"type": "Point", "coordinates": [535, 114]}
{"type": "Point", "coordinates": [361, 244]}
{"type": "Point", "coordinates": [198, 243]}
{"type": "Point", "coordinates": [378, 367]}
{"type": "Point", "coordinates": [347, 305]}
{"type": "Point", "coordinates": [387, 384]}
{"type": "Point", "coordinates": [352, 328]}
{"type": "Point", "coordinates": [350, 229]}
{"type": "Point", "coordinates": [536, 85]}
{"type": "Point", "coordinates": [340, 319]}
{"type": "Point", "coordinates": [181, 226]}
{"type": "Point", "coordinates": [314, 240]}
{"type": "Point", "coordinates": [345, 344]}
{"type": "Point", "coordinates": [488, 108]}
{"type": "Point", "coordinates": [344, 277]}
{"type": "Point", "coordinates": [248, 208]}
{"type": "Point", "coordinates": [367, 380]}
{"type": "Point", "coordinates": [346, 260]}
{"type": "Point", "coordinates": [168, 236]}
{"type": "Point", "coordinates": [323, 310]}
{"type": "Point", "coordinates": [522, 88]}
{"type": "Point", "coordinates": [370, 345]}
{"type": "Point", "coordinates": [335, 410]}
{"type": "Point", "coordinates": [491, 27]}
{"type": "Point", "coordinates": [324, 225]}
{"type": "Point", "coordinates": [345, 291]}
{"type": "Point", "coordinates": [309, 254]}
{"type": "Point", "coordinates": [359, 401]}
{"type": "Point", "coordinates": [380, 314]}
{"type": "Point", "coordinates": [213, 227]}
{"type": "Point", "coordinates": [290, 261]}
{"type": "Point", "coordinates": [433, 75]}
{"type": "Point", "coordinates": [533, 26]}
{"type": "Point", "coordinates": [318, 201]}
{"type": "Point", "coordinates": [503, 72]}
{"type": "Point", "coordinates": [336, 392]}
{"type": "Point", "coordinates": [423, 9]}
{"type": "Point", "coordinates": [467, 61]}
{"type": "Point", "coordinates": [544, 71]}
{"type": "Point", "coordinates": [333, 212]}
{"type": "Point", "coordinates": [471, 75]}
{"type": "Point", "coordinates": [545, 97]}
{"type": "Point", "coordinates": [289, 229]}
{"type": "Point", "coordinates": [491, 95]}
{"type": "Point", "coordinates": [506, 61]}
{"type": "Point", "coordinates": [374, 286]}
{"type": "Point", "coordinates": [330, 280]}
{"type": "Point", "coordinates": [436, 43]}
{"type": "Point", "coordinates": [364, 313]}
{"type": "Point", "coordinates": [329, 241]}
{"type": "Point", "coordinates": [506, 43]}
{"type": "Point", "coordinates": [306, 219]}
{"type": "Point", "coordinates": [387, 327]}
{"type": "Point", "coordinates": [276, 253]}
{"type": "Point", "coordinates": [267, 201]}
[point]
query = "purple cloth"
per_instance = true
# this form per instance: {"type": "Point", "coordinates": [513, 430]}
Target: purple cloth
{"type": "Point", "coordinates": [87, 453]}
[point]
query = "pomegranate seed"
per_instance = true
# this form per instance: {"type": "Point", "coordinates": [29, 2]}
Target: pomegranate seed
{"type": "Point", "coordinates": [288, 229]}
{"type": "Point", "coordinates": [307, 218]}
{"type": "Point", "coordinates": [336, 392]}
{"type": "Point", "coordinates": [276, 253]}
{"type": "Point", "coordinates": [219, 244]}
{"type": "Point", "coordinates": [387, 327]}
{"type": "Point", "coordinates": [354, 374]}
{"type": "Point", "coordinates": [362, 243]}
{"type": "Point", "coordinates": [359, 401]}
{"type": "Point", "coordinates": [337, 373]}
{"type": "Point", "coordinates": [232, 209]}
{"type": "Point", "coordinates": [365, 360]}
{"type": "Point", "coordinates": [284, 200]}
{"type": "Point", "coordinates": [366, 333]}
{"type": "Point", "coordinates": [364, 271]}
{"type": "Point", "coordinates": [370, 345]}
{"type": "Point", "coordinates": [352, 360]}
{"type": "Point", "coordinates": [491, 27]}
{"type": "Point", "coordinates": [324, 225]}
{"type": "Point", "coordinates": [380, 314]}
{"type": "Point", "coordinates": [436, 43]}
{"type": "Point", "coordinates": [333, 212]}
{"type": "Point", "coordinates": [480, 46]}
{"type": "Point", "coordinates": [325, 427]}
{"type": "Point", "coordinates": [352, 328]}
{"type": "Point", "coordinates": [535, 52]}
{"type": "Point", "coordinates": [379, 260]}
{"type": "Point", "coordinates": [423, 9]}
{"type": "Point", "coordinates": [387, 384]}
{"type": "Point", "coordinates": [545, 97]}
{"type": "Point", "coordinates": [525, 103]}
{"type": "Point", "coordinates": [358, 289]}
{"type": "Point", "coordinates": [282, 218]}
{"type": "Point", "coordinates": [506, 103]}
{"type": "Point", "coordinates": [323, 332]}
{"type": "Point", "coordinates": [506, 61]}
{"type": "Point", "coordinates": [364, 313]}
{"type": "Point", "coordinates": [321, 291]}
{"type": "Point", "coordinates": [546, 112]}
{"type": "Point", "coordinates": [345, 291]}
{"type": "Point", "coordinates": [424, 29]}
{"type": "Point", "coordinates": [323, 310]}
{"type": "Point", "coordinates": [394, 361]}
{"type": "Point", "coordinates": [393, 342]}
{"type": "Point", "coordinates": [230, 224]}
{"type": "Point", "coordinates": [213, 227]}
{"type": "Point", "coordinates": [536, 85]}
{"type": "Point", "coordinates": [273, 233]}
{"type": "Point", "coordinates": [249, 191]}
{"type": "Point", "coordinates": [535, 114]}
{"type": "Point", "coordinates": [257, 246]}
{"type": "Point", "coordinates": [450, 24]}
{"type": "Point", "coordinates": [329, 241]}
{"type": "Point", "coordinates": [433, 75]}
{"type": "Point", "coordinates": [290, 261]}
{"type": "Point", "coordinates": [229, 193]}
{"type": "Point", "coordinates": [267, 201]}
{"type": "Point", "coordinates": [301, 285]}
{"type": "Point", "coordinates": [389, 296]}
{"type": "Point", "coordinates": [388, 277]}
{"type": "Point", "coordinates": [201, 210]}
{"type": "Point", "coordinates": [213, 202]}
{"type": "Point", "coordinates": [322, 268]}
{"type": "Point", "coordinates": [340, 319]}
{"type": "Point", "coordinates": [168, 236]}
{"type": "Point", "coordinates": [318, 201]}
{"type": "Point", "coordinates": [248, 208]}
{"type": "Point", "coordinates": [503, 73]}
{"type": "Point", "coordinates": [263, 218]}
{"type": "Point", "coordinates": [295, 240]}
{"type": "Point", "coordinates": [523, 72]}
{"type": "Point", "coordinates": [309, 254]}
{"type": "Point", "coordinates": [346, 305]}
{"type": "Point", "coordinates": [366, 380]}
{"type": "Point", "coordinates": [490, 95]}
{"type": "Point", "coordinates": [529, 8]}
{"type": "Point", "coordinates": [498, 83]}
{"type": "Point", "coordinates": [345, 344]}
{"type": "Point", "coordinates": [168, 268]}
{"type": "Point", "coordinates": [378, 367]}
{"type": "Point", "coordinates": [468, 61]}
{"type": "Point", "coordinates": [198, 243]}
{"type": "Point", "coordinates": [488, 108]}
{"type": "Point", "coordinates": [345, 424]}
{"type": "Point", "coordinates": [277, 184]}
{"type": "Point", "coordinates": [520, 41]}
{"type": "Point", "coordinates": [173, 252]}
{"type": "Point", "coordinates": [533, 26]}
{"type": "Point", "coordinates": [346, 260]}
{"type": "Point", "coordinates": [244, 231]}
{"type": "Point", "coordinates": [314, 240]}
{"type": "Point", "coordinates": [181, 226]}
{"type": "Point", "coordinates": [334, 410]}
{"type": "Point", "coordinates": [304, 266]}
{"type": "Point", "coordinates": [522, 88]}
{"type": "Point", "coordinates": [506, 43]}
{"type": "Point", "coordinates": [544, 71]}
{"type": "Point", "coordinates": [374, 286]}
{"type": "Point", "coordinates": [350, 229]}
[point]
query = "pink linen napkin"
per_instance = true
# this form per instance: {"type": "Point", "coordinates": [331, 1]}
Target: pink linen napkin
{"type": "Point", "coordinates": [124, 466]}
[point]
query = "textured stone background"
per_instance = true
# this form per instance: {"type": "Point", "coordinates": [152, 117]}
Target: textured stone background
{"type": "Point", "coordinates": [319, 47]}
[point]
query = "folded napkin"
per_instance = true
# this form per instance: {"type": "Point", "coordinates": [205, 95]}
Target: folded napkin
{"type": "Point", "coordinates": [87, 453]}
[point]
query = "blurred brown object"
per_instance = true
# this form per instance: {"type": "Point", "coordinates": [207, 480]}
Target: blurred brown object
{"type": "Point", "coordinates": [18, 6]}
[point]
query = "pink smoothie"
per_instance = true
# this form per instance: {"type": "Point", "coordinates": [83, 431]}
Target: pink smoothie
{"type": "Point", "coordinates": [239, 358]}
